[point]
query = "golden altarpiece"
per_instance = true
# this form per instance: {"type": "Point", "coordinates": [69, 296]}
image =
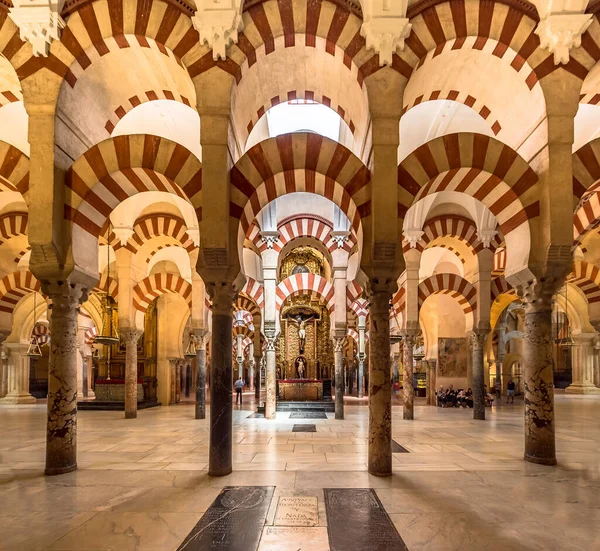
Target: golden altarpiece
{"type": "Point", "coordinates": [304, 312]}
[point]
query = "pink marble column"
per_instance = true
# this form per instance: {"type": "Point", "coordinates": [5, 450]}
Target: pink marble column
{"type": "Point", "coordinates": [380, 389]}
{"type": "Point", "coordinates": [61, 438]}
{"type": "Point", "coordinates": [271, 386]}
{"type": "Point", "coordinates": [131, 372]}
{"type": "Point", "coordinates": [257, 369]}
{"type": "Point", "coordinates": [338, 347]}
{"type": "Point", "coordinates": [408, 390]}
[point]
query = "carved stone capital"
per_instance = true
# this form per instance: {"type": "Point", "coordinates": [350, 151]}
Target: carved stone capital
{"type": "Point", "coordinates": [65, 297]}
{"type": "Point", "coordinates": [218, 23]}
{"type": "Point", "coordinates": [340, 237]}
{"type": "Point", "coordinates": [222, 294]}
{"type": "Point", "coordinates": [385, 27]}
{"type": "Point", "coordinates": [537, 294]}
{"type": "Point", "coordinates": [123, 234]}
{"type": "Point", "coordinates": [560, 32]}
{"type": "Point", "coordinates": [413, 237]}
{"type": "Point", "coordinates": [39, 22]}
{"type": "Point", "coordinates": [269, 238]}
{"type": "Point", "coordinates": [338, 344]}
{"type": "Point", "coordinates": [486, 237]}
{"type": "Point", "coordinates": [200, 337]}
{"type": "Point", "coordinates": [131, 336]}
{"type": "Point", "coordinates": [477, 338]}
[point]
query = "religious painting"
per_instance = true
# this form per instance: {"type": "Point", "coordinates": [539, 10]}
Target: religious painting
{"type": "Point", "coordinates": [452, 357]}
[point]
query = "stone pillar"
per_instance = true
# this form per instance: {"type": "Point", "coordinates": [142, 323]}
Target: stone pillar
{"type": "Point", "coordinates": [61, 441]}
{"type": "Point", "coordinates": [257, 367]}
{"type": "Point", "coordinates": [251, 367]}
{"type": "Point", "coordinates": [395, 370]}
{"type": "Point", "coordinates": [131, 337]}
{"type": "Point", "coordinates": [17, 371]}
{"type": "Point", "coordinates": [538, 377]}
{"type": "Point", "coordinates": [240, 355]}
{"type": "Point", "coordinates": [597, 361]}
{"type": "Point", "coordinates": [221, 381]}
{"type": "Point", "coordinates": [271, 386]}
{"type": "Point", "coordinates": [173, 380]}
{"type": "Point", "coordinates": [477, 341]}
{"type": "Point", "coordinates": [380, 392]}
{"type": "Point", "coordinates": [178, 369]}
{"type": "Point", "coordinates": [583, 365]}
{"type": "Point", "coordinates": [361, 374]}
{"type": "Point", "coordinates": [200, 376]}
{"type": "Point", "coordinates": [408, 389]}
{"type": "Point", "coordinates": [338, 347]}
{"type": "Point", "coordinates": [89, 364]}
{"type": "Point", "coordinates": [4, 374]}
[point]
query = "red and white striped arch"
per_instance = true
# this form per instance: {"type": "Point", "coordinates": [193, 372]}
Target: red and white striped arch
{"type": "Point", "coordinates": [13, 287]}
{"type": "Point", "coordinates": [158, 284]}
{"type": "Point", "coordinates": [310, 284]}
{"type": "Point", "coordinates": [246, 304]}
{"type": "Point", "coordinates": [90, 335]}
{"type": "Point", "coordinates": [360, 307]}
{"type": "Point", "coordinates": [454, 286]}
{"type": "Point", "coordinates": [477, 165]}
{"type": "Point", "coordinates": [155, 225]}
{"type": "Point", "coordinates": [12, 225]}
{"type": "Point", "coordinates": [586, 276]}
{"type": "Point", "coordinates": [499, 261]}
{"type": "Point", "coordinates": [254, 291]}
{"type": "Point", "coordinates": [113, 286]}
{"type": "Point", "coordinates": [398, 301]}
{"type": "Point", "coordinates": [499, 286]}
{"type": "Point", "coordinates": [451, 226]}
{"type": "Point", "coordinates": [121, 167]}
{"type": "Point", "coordinates": [243, 330]}
{"type": "Point", "coordinates": [299, 162]}
{"type": "Point", "coordinates": [14, 169]}
{"type": "Point", "coordinates": [299, 226]}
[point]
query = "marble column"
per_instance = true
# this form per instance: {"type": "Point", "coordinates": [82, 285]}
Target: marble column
{"type": "Point", "coordinates": [61, 438]}
{"type": "Point", "coordinates": [538, 377]}
{"type": "Point", "coordinates": [597, 361]}
{"type": "Point", "coordinates": [408, 389]}
{"type": "Point", "coordinates": [477, 341]}
{"type": "Point", "coordinates": [380, 391]}
{"type": "Point", "coordinates": [17, 368]}
{"type": "Point", "coordinates": [178, 370]}
{"type": "Point", "coordinates": [583, 365]}
{"type": "Point", "coordinates": [271, 387]}
{"type": "Point", "coordinates": [240, 355]}
{"type": "Point", "coordinates": [257, 383]}
{"type": "Point", "coordinates": [131, 337]}
{"type": "Point", "coordinates": [173, 379]}
{"type": "Point", "coordinates": [338, 348]}
{"type": "Point", "coordinates": [4, 371]}
{"type": "Point", "coordinates": [251, 367]}
{"type": "Point", "coordinates": [89, 364]}
{"type": "Point", "coordinates": [361, 374]}
{"type": "Point", "coordinates": [200, 376]}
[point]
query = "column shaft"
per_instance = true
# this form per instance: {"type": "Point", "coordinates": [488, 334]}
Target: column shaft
{"type": "Point", "coordinates": [477, 343]}
{"type": "Point", "coordinates": [201, 378]}
{"type": "Point", "coordinates": [407, 383]}
{"type": "Point", "coordinates": [361, 374]}
{"type": "Point", "coordinates": [257, 360]}
{"type": "Point", "coordinates": [338, 346]}
{"type": "Point", "coordinates": [221, 383]}
{"type": "Point", "coordinates": [61, 438]}
{"type": "Point", "coordinates": [271, 390]}
{"type": "Point", "coordinates": [380, 391]}
{"type": "Point", "coordinates": [131, 372]}
{"type": "Point", "coordinates": [539, 385]}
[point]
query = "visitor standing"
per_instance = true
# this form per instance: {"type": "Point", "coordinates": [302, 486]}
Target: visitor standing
{"type": "Point", "coordinates": [510, 392]}
{"type": "Point", "coordinates": [239, 385]}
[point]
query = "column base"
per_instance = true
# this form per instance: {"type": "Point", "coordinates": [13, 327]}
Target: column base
{"type": "Point", "coordinates": [381, 475]}
{"type": "Point", "coordinates": [131, 415]}
{"type": "Point", "coordinates": [220, 472]}
{"type": "Point", "coordinates": [49, 471]}
{"type": "Point", "coordinates": [549, 461]}
{"type": "Point", "coordinates": [91, 395]}
{"type": "Point", "coordinates": [14, 399]}
{"type": "Point", "coordinates": [582, 388]}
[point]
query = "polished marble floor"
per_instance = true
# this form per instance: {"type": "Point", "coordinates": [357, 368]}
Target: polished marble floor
{"type": "Point", "coordinates": [143, 485]}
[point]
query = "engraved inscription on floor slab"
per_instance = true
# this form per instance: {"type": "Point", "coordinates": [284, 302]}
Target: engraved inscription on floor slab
{"type": "Point", "coordinates": [278, 538]}
{"type": "Point", "coordinates": [304, 428]}
{"type": "Point", "coordinates": [308, 415]}
{"type": "Point", "coordinates": [297, 511]}
{"type": "Point", "coordinates": [233, 522]}
{"type": "Point", "coordinates": [357, 520]}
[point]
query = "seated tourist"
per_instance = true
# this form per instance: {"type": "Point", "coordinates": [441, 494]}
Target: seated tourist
{"type": "Point", "coordinates": [469, 398]}
{"type": "Point", "coordinates": [441, 397]}
{"type": "Point", "coordinates": [489, 398]}
{"type": "Point", "coordinates": [451, 396]}
{"type": "Point", "coordinates": [461, 398]}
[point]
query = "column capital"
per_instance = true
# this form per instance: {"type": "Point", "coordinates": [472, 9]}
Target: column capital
{"type": "Point", "coordinates": [477, 338]}
{"type": "Point", "coordinates": [338, 344]}
{"type": "Point", "coordinates": [222, 295]}
{"type": "Point", "coordinates": [537, 294]}
{"type": "Point", "coordinates": [269, 238]}
{"type": "Point", "coordinates": [200, 337]}
{"type": "Point", "coordinates": [131, 336]}
{"type": "Point", "coordinates": [65, 296]}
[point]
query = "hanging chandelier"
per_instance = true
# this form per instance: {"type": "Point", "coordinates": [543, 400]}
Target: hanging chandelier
{"type": "Point", "coordinates": [109, 334]}
{"type": "Point", "coordinates": [190, 351]}
{"type": "Point", "coordinates": [34, 349]}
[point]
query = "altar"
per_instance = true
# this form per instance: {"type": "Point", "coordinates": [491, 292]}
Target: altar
{"type": "Point", "coordinates": [300, 390]}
